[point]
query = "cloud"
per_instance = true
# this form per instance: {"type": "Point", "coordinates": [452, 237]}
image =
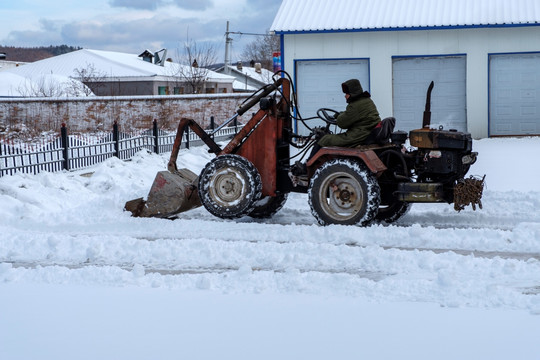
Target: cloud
{"type": "Point", "coordinates": [199, 5]}
{"type": "Point", "coordinates": [137, 35]}
{"type": "Point", "coordinates": [137, 4]}
{"type": "Point", "coordinates": [131, 27]}
{"type": "Point", "coordinates": [46, 35]}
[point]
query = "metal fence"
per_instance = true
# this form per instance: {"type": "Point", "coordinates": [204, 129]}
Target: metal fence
{"type": "Point", "coordinates": [72, 152]}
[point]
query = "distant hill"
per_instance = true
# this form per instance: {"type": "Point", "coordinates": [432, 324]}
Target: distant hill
{"type": "Point", "coordinates": [34, 54]}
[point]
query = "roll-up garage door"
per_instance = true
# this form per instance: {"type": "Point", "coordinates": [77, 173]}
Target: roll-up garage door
{"type": "Point", "coordinates": [411, 78]}
{"type": "Point", "coordinates": [514, 94]}
{"type": "Point", "coordinates": [319, 85]}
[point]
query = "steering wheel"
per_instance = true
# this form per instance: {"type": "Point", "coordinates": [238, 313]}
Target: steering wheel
{"type": "Point", "coordinates": [329, 119]}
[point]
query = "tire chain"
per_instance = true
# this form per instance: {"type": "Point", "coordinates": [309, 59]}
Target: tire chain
{"type": "Point", "coordinates": [468, 192]}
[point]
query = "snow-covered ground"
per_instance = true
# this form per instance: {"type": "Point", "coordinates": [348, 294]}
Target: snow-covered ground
{"type": "Point", "coordinates": [81, 279]}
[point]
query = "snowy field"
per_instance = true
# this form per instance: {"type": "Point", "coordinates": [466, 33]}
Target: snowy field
{"type": "Point", "coordinates": [81, 279]}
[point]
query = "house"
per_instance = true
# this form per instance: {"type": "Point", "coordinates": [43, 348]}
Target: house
{"type": "Point", "coordinates": [483, 56]}
{"type": "Point", "coordinates": [248, 78]}
{"type": "Point", "coordinates": [6, 64]}
{"type": "Point", "coordinates": [111, 73]}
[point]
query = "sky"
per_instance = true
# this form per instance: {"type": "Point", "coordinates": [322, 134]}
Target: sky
{"type": "Point", "coordinates": [134, 25]}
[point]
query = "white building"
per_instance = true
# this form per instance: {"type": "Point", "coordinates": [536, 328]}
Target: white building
{"type": "Point", "coordinates": [483, 55]}
{"type": "Point", "coordinates": [112, 73]}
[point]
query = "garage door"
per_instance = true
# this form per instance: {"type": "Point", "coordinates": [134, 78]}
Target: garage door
{"type": "Point", "coordinates": [514, 94]}
{"type": "Point", "coordinates": [319, 85]}
{"type": "Point", "coordinates": [411, 78]}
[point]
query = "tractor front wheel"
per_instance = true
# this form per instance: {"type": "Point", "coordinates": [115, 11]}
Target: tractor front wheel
{"type": "Point", "coordinates": [344, 192]}
{"type": "Point", "coordinates": [229, 186]}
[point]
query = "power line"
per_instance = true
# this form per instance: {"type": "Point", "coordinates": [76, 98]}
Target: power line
{"type": "Point", "coordinates": [243, 33]}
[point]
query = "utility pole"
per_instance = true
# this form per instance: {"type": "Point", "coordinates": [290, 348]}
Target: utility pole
{"type": "Point", "coordinates": [228, 42]}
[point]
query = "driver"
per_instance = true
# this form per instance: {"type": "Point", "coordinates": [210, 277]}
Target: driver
{"type": "Point", "coordinates": [359, 118]}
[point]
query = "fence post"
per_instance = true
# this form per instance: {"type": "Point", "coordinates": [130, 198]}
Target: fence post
{"type": "Point", "coordinates": [236, 125]}
{"type": "Point", "coordinates": [155, 131]}
{"type": "Point", "coordinates": [65, 146]}
{"type": "Point", "coordinates": [212, 126]}
{"type": "Point", "coordinates": [187, 137]}
{"type": "Point", "coordinates": [116, 139]}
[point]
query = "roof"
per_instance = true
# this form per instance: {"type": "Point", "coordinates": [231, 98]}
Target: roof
{"type": "Point", "coordinates": [14, 85]}
{"type": "Point", "coordinates": [112, 64]}
{"type": "Point", "coordinates": [242, 86]}
{"type": "Point", "coordinates": [357, 15]}
{"type": "Point", "coordinates": [263, 76]}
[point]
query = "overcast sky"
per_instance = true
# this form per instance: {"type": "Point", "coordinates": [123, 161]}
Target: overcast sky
{"type": "Point", "coordinates": [133, 25]}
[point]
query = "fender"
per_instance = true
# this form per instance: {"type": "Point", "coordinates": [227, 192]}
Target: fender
{"type": "Point", "coordinates": [368, 157]}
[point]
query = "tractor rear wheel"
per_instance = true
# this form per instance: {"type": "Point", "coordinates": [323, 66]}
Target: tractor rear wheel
{"type": "Point", "coordinates": [229, 186]}
{"type": "Point", "coordinates": [392, 212]}
{"type": "Point", "coordinates": [344, 192]}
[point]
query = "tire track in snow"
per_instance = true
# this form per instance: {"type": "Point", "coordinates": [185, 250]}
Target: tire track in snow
{"type": "Point", "coordinates": [371, 275]}
{"type": "Point", "coordinates": [486, 254]}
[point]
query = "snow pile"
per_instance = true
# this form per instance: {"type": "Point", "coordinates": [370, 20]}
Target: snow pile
{"type": "Point", "coordinates": [73, 263]}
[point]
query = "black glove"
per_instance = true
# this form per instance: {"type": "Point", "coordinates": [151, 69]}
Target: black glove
{"type": "Point", "coordinates": [319, 132]}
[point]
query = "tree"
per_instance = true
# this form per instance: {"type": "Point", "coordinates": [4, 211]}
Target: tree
{"type": "Point", "coordinates": [261, 50]}
{"type": "Point", "coordinates": [192, 67]}
{"type": "Point", "coordinates": [89, 76]}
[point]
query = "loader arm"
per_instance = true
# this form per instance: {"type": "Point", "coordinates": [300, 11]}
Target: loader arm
{"type": "Point", "coordinates": [214, 148]}
{"type": "Point", "coordinates": [197, 129]}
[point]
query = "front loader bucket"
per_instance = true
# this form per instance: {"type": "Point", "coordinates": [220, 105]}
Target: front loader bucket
{"type": "Point", "coordinates": [171, 193]}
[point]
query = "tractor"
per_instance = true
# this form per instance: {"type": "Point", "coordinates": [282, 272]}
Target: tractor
{"type": "Point", "coordinates": [252, 174]}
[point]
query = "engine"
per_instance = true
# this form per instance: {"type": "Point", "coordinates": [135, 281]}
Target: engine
{"type": "Point", "coordinates": [442, 156]}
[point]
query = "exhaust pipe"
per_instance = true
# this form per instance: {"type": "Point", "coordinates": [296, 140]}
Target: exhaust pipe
{"type": "Point", "coordinates": [426, 122]}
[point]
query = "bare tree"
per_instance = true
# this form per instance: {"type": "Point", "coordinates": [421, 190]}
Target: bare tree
{"type": "Point", "coordinates": [261, 50]}
{"type": "Point", "coordinates": [89, 76]}
{"type": "Point", "coordinates": [42, 87]}
{"type": "Point", "coordinates": [192, 68]}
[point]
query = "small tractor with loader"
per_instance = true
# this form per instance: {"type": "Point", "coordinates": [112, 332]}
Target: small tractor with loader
{"type": "Point", "coordinates": [252, 174]}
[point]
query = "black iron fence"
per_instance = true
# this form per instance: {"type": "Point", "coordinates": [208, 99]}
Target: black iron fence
{"type": "Point", "coordinates": [72, 152]}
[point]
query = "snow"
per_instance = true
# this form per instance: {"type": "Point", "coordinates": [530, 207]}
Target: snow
{"type": "Point", "coordinates": [110, 63]}
{"type": "Point", "coordinates": [52, 85]}
{"type": "Point", "coordinates": [80, 278]}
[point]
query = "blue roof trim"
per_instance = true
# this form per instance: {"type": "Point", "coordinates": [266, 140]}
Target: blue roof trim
{"type": "Point", "coordinates": [428, 56]}
{"type": "Point", "coordinates": [416, 28]}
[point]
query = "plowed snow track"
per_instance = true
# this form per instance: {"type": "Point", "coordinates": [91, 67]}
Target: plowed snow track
{"type": "Point", "coordinates": [68, 229]}
{"type": "Point", "coordinates": [199, 250]}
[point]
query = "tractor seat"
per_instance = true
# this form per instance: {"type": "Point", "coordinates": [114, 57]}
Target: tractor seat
{"type": "Point", "coordinates": [381, 133]}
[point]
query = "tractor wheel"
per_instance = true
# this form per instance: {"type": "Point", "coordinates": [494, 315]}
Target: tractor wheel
{"type": "Point", "coordinates": [344, 192]}
{"type": "Point", "coordinates": [229, 186]}
{"type": "Point", "coordinates": [392, 212]}
{"type": "Point", "coordinates": [267, 206]}
{"type": "Point", "coordinates": [391, 209]}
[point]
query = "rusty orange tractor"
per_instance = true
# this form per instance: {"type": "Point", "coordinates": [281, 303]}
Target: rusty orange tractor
{"type": "Point", "coordinates": [252, 174]}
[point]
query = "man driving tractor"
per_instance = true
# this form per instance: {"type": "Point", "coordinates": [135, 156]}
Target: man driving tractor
{"type": "Point", "coordinates": [359, 119]}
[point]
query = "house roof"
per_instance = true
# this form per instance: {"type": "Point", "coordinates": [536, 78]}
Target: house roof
{"type": "Point", "coordinates": [14, 85]}
{"type": "Point", "coordinates": [242, 86]}
{"type": "Point", "coordinates": [109, 63]}
{"type": "Point", "coordinates": [357, 15]}
{"type": "Point", "coordinates": [263, 76]}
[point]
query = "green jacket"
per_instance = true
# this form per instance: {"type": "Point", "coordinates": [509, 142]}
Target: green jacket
{"type": "Point", "coordinates": [359, 118]}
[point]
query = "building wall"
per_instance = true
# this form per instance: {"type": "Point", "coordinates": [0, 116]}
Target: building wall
{"type": "Point", "coordinates": [136, 88]}
{"type": "Point", "coordinates": [93, 113]}
{"type": "Point", "coordinates": [381, 46]}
